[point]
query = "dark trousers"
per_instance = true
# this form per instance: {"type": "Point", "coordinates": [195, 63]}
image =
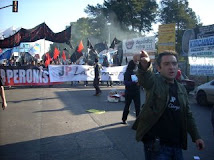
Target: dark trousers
{"type": "Point", "coordinates": [96, 85]}
{"type": "Point", "coordinates": [128, 99]}
{"type": "Point", "coordinates": [85, 82]}
{"type": "Point", "coordinates": [109, 83]}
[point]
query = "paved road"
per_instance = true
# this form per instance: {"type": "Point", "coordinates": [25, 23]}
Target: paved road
{"type": "Point", "coordinates": [52, 124]}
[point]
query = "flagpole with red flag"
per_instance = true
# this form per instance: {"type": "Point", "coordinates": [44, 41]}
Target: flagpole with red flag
{"type": "Point", "coordinates": [56, 53]}
{"type": "Point", "coordinates": [63, 55]}
{"type": "Point", "coordinates": [48, 59]}
{"type": "Point", "coordinates": [80, 47]}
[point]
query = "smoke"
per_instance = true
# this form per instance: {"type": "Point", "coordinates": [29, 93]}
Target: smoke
{"type": "Point", "coordinates": [104, 29]}
{"type": "Point", "coordinates": [113, 28]}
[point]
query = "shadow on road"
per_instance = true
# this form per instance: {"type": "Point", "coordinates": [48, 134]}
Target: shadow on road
{"type": "Point", "coordinates": [111, 141]}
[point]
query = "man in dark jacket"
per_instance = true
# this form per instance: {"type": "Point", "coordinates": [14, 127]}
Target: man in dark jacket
{"type": "Point", "coordinates": [96, 78]}
{"type": "Point", "coordinates": [166, 118]}
{"type": "Point", "coordinates": [132, 91]}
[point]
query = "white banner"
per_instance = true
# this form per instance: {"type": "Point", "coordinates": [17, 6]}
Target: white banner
{"type": "Point", "coordinates": [132, 46]}
{"type": "Point", "coordinates": [64, 73]}
{"type": "Point", "coordinates": [38, 47]}
{"type": "Point", "coordinates": [201, 56]}
{"type": "Point", "coordinates": [109, 53]}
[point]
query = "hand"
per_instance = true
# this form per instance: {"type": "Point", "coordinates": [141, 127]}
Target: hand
{"type": "Point", "coordinates": [200, 144]}
{"type": "Point", "coordinates": [4, 105]}
{"type": "Point", "coordinates": [143, 58]}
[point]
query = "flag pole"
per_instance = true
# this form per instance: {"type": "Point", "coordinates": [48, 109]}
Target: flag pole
{"type": "Point", "coordinates": [44, 46]}
{"type": "Point", "coordinates": [76, 54]}
{"type": "Point", "coordinates": [44, 37]}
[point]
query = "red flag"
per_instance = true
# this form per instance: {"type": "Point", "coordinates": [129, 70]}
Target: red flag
{"type": "Point", "coordinates": [63, 55]}
{"type": "Point", "coordinates": [48, 60]}
{"type": "Point", "coordinates": [56, 53]}
{"type": "Point", "coordinates": [80, 47]}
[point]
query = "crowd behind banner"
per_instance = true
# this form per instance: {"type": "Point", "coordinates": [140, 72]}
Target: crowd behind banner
{"type": "Point", "coordinates": [56, 74]}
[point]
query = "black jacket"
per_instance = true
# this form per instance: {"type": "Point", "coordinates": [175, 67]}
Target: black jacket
{"type": "Point", "coordinates": [131, 87]}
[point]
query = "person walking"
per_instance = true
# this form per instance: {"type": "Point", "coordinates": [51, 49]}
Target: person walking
{"type": "Point", "coordinates": [166, 118]}
{"type": "Point", "coordinates": [96, 78]}
{"type": "Point", "coordinates": [132, 91]}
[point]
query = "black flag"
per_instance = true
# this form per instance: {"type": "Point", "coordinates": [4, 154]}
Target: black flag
{"type": "Point", "coordinates": [114, 42]}
{"type": "Point", "coordinates": [89, 45]}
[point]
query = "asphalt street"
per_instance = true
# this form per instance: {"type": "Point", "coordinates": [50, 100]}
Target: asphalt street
{"type": "Point", "coordinates": [52, 123]}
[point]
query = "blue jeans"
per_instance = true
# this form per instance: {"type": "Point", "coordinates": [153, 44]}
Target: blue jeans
{"type": "Point", "coordinates": [163, 153]}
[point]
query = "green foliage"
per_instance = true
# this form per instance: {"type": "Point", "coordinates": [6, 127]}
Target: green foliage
{"type": "Point", "coordinates": [135, 14]}
{"type": "Point", "coordinates": [80, 30]}
{"type": "Point", "coordinates": [147, 15]}
{"type": "Point", "coordinates": [177, 11]}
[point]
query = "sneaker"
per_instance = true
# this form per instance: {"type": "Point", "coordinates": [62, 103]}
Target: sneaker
{"type": "Point", "coordinates": [123, 122]}
{"type": "Point", "coordinates": [98, 94]}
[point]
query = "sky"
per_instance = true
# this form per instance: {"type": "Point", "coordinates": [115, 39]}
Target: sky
{"type": "Point", "coordinates": [59, 13]}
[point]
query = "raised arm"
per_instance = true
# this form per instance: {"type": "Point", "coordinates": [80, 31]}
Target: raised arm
{"type": "Point", "coordinates": [143, 59]}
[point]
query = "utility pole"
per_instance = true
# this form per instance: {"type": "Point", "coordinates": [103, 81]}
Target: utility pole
{"type": "Point", "coordinates": [109, 34]}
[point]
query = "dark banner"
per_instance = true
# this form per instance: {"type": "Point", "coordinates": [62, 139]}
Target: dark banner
{"type": "Point", "coordinates": [24, 75]}
{"type": "Point", "coordinates": [41, 31]}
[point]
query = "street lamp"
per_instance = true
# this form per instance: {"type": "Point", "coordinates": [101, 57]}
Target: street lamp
{"type": "Point", "coordinates": [109, 34]}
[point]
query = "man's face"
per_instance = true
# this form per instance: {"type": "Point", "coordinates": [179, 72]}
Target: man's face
{"type": "Point", "coordinates": [168, 67]}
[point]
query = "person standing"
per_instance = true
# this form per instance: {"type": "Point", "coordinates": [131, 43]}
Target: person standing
{"type": "Point", "coordinates": [106, 64]}
{"type": "Point", "coordinates": [96, 78]}
{"type": "Point", "coordinates": [4, 102]}
{"type": "Point", "coordinates": [166, 118]}
{"type": "Point", "coordinates": [132, 91]}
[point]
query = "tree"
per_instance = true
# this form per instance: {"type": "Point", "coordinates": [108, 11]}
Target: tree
{"type": "Point", "coordinates": [80, 30]}
{"type": "Point", "coordinates": [135, 14]}
{"type": "Point", "coordinates": [145, 13]}
{"type": "Point", "coordinates": [177, 11]}
{"type": "Point", "coordinates": [92, 28]}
